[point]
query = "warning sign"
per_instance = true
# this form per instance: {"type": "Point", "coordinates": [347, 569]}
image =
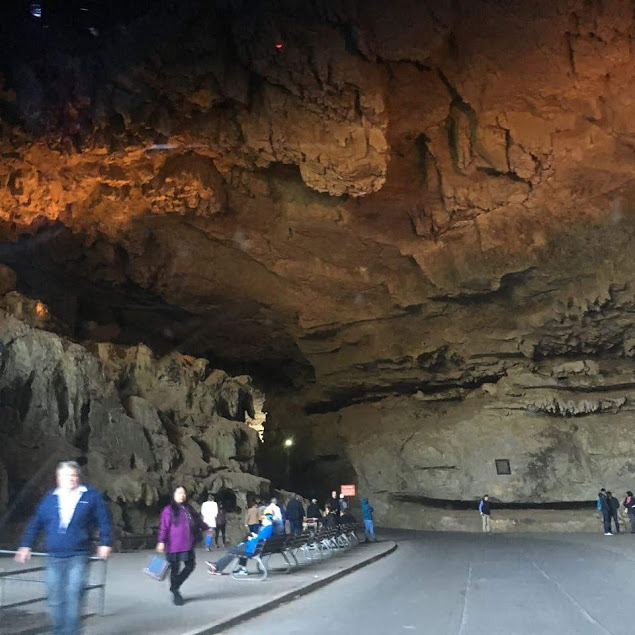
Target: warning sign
{"type": "Point", "coordinates": [348, 490]}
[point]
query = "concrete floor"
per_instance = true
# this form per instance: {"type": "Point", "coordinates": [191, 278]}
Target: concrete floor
{"type": "Point", "coordinates": [138, 605]}
{"type": "Point", "coordinates": [467, 584]}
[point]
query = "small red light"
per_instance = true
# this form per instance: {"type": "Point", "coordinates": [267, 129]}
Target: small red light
{"type": "Point", "coordinates": [278, 45]}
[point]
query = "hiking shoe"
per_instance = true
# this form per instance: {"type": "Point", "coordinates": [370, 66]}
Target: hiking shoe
{"type": "Point", "coordinates": [177, 598]}
{"type": "Point", "coordinates": [608, 533]}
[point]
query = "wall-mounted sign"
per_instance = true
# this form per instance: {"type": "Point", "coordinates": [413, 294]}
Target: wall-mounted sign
{"type": "Point", "coordinates": [348, 490]}
{"type": "Point", "coordinates": [502, 466]}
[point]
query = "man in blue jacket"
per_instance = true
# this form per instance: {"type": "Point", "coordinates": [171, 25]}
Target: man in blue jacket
{"type": "Point", "coordinates": [68, 515]}
{"type": "Point", "coordinates": [369, 525]}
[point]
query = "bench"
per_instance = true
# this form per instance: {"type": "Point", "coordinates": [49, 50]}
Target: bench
{"type": "Point", "coordinates": [313, 545]}
{"type": "Point", "coordinates": [262, 554]}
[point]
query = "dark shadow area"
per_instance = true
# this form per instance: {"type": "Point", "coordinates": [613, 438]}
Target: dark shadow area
{"type": "Point", "coordinates": [438, 503]}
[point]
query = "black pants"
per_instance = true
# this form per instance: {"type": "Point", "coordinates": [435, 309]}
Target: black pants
{"type": "Point", "coordinates": [177, 575]}
{"type": "Point", "coordinates": [606, 519]}
{"type": "Point", "coordinates": [615, 520]}
{"type": "Point", "coordinates": [220, 529]}
{"type": "Point", "coordinates": [631, 517]}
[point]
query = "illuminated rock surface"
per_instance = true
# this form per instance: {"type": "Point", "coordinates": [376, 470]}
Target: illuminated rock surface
{"type": "Point", "coordinates": [401, 222]}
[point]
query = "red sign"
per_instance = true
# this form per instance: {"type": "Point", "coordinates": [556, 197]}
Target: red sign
{"type": "Point", "coordinates": [348, 490]}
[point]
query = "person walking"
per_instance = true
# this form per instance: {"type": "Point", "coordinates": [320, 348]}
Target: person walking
{"type": "Point", "coordinates": [209, 511]}
{"type": "Point", "coordinates": [221, 526]}
{"type": "Point", "coordinates": [178, 525]}
{"type": "Point", "coordinates": [485, 510]}
{"type": "Point", "coordinates": [614, 506]}
{"type": "Point", "coordinates": [369, 524]}
{"type": "Point", "coordinates": [252, 519]}
{"type": "Point", "coordinates": [629, 504]}
{"type": "Point", "coordinates": [295, 514]}
{"type": "Point", "coordinates": [68, 515]}
{"type": "Point", "coordinates": [243, 549]}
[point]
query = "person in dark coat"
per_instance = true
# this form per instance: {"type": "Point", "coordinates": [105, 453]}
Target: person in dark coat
{"type": "Point", "coordinates": [313, 510]}
{"type": "Point", "coordinates": [346, 518]}
{"type": "Point", "coordinates": [295, 514]}
{"type": "Point", "coordinates": [221, 526]}
{"type": "Point", "coordinates": [629, 504]}
{"type": "Point", "coordinates": [614, 506]}
{"type": "Point", "coordinates": [485, 510]}
{"type": "Point", "coordinates": [334, 502]}
{"type": "Point", "coordinates": [603, 508]}
{"type": "Point", "coordinates": [330, 518]}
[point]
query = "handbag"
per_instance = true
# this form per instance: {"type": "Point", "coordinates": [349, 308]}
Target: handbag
{"type": "Point", "coordinates": [157, 568]}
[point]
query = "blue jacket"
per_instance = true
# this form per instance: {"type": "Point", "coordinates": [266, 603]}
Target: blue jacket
{"type": "Point", "coordinates": [367, 510]}
{"type": "Point", "coordinates": [265, 532]}
{"type": "Point", "coordinates": [91, 512]}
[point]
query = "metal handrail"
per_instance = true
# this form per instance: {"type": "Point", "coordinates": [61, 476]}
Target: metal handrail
{"type": "Point", "coordinates": [14, 573]}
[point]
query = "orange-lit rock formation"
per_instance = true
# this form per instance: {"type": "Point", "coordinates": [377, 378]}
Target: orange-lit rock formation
{"type": "Point", "coordinates": [403, 200]}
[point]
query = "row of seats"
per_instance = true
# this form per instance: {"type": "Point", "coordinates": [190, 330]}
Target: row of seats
{"type": "Point", "coordinates": [309, 546]}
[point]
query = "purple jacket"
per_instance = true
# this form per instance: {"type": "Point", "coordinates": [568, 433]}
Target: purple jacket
{"type": "Point", "coordinates": [180, 535]}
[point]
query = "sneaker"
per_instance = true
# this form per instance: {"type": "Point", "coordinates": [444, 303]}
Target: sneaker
{"type": "Point", "coordinates": [211, 567]}
{"type": "Point", "coordinates": [608, 533]}
{"type": "Point", "coordinates": [177, 598]}
{"type": "Point", "coordinates": [242, 572]}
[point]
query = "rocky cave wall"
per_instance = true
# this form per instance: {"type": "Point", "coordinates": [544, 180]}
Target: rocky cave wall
{"type": "Point", "coordinates": [412, 224]}
{"type": "Point", "coordinates": [141, 425]}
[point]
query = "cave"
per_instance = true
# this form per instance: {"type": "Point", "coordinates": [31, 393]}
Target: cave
{"type": "Point", "coordinates": [401, 236]}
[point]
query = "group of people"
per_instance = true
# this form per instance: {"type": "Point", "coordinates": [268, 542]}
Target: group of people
{"type": "Point", "coordinates": [69, 513]}
{"type": "Point", "coordinates": [609, 507]}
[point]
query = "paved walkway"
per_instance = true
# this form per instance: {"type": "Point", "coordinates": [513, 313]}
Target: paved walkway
{"type": "Point", "coordinates": [470, 584]}
{"type": "Point", "coordinates": [138, 604]}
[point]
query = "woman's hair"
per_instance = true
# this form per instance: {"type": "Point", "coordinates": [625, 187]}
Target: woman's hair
{"type": "Point", "coordinates": [629, 493]}
{"type": "Point", "coordinates": [174, 506]}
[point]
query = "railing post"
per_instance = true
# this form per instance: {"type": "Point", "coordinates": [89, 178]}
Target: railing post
{"type": "Point", "coordinates": [102, 591]}
{"type": "Point", "coordinates": [1, 588]}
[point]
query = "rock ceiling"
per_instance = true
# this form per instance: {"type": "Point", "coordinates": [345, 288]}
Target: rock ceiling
{"type": "Point", "coordinates": [376, 200]}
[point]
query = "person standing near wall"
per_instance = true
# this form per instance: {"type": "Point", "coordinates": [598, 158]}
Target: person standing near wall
{"type": "Point", "coordinates": [68, 516]}
{"type": "Point", "coordinates": [603, 508]}
{"type": "Point", "coordinates": [369, 523]}
{"type": "Point", "coordinates": [209, 511]}
{"type": "Point", "coordinates": [629, 504]}
{"type": "Point", "coordinates": [177, 535]}
{"type": "Point", "coordinates": [614, 506]}
{"type": "Point", "coordinates": [485, 509]}
{"type": "Point", "coordinates": [221, 526]}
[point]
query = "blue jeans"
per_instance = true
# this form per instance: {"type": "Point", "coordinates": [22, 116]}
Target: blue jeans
{"type": "Point", "coordinates": [66, 580]}
{"type": "Point", "coordinates": [369, 528]}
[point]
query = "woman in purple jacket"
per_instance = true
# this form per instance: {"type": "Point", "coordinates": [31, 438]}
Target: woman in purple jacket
{"type": "Point", "coordinates": [177, 533]}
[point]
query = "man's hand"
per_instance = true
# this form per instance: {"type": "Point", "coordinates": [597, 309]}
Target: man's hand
{"type": "Point", "coordinates": [103, 552]}
{"type": "Point", "coordinates": [24, 554]}
{"type": "Point", "coordinates": [160, 547]}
